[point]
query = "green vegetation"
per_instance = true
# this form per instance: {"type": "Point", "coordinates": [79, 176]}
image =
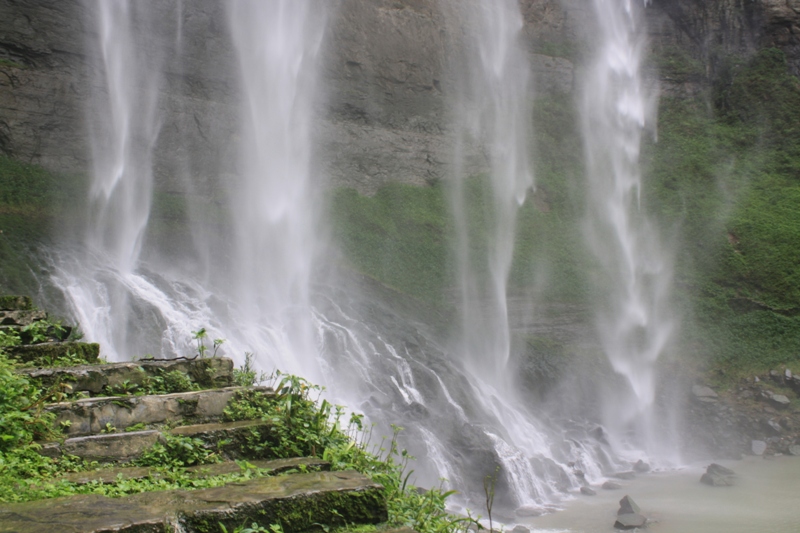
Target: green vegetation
{"type": "Point", "coordinates": [727, 178]}
{"type": "Point", "coordinates": [399, 236]}
{"type": "Point", "coordinates": [303, 426]}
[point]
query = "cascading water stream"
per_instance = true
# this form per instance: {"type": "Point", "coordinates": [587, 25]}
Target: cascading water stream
{"type": "Point", "coordinates": [497, 115]}
{"type": "Point", "coordinates": [123, 128]}
{"type": "Point", "coordinates": [275, 224]}
{"type": "Point", "coordinates": [633, 321]}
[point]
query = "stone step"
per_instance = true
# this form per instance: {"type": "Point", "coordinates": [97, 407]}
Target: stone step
{"type": "Point", "coordinates": [16, 303]}
{"type": "Point", "coordinates": [21, 317]}
{"type": "Point", "coordinates": [299, 502]}
{"type": "Point", "coordinates": [101, 379]}
{"type": "Point", "coordinates": [27, 337]}
{"type": "Point", "coordinates": [42, 354]}
{"type": "Point", "coordinates": [227, 438]}
{"type": "Point", "coordinates": [92, 416]}
{"type": "Point", "coordinates": [267, 467]}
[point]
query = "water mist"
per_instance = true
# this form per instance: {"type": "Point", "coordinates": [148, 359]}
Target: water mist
{"type": "Point", "coordinates": [633, 320]}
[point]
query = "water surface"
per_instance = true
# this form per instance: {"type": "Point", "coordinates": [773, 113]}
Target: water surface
{"type": "Point", "coordinates": [765, 500]}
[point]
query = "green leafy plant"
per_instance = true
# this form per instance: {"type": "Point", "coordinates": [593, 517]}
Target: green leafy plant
{"type": "Point", "coordinates": [168, 382]}
{"type": "Point", "coordinates": [199, 337]}
{"type": "Point", "coordinates": [178, 451]}
{"type": "Point", "coordinates": [124, 388]}
{"type": "Point", "coordinates": [21, 417]}
{"type": "Point", "coordinates": [43, 331]}
{"type": "Point", "coordinates": [9, 338]}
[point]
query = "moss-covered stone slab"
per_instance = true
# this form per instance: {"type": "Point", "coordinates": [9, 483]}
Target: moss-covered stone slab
{"type": "Point", "coordinates": [113, 447]}
{"type": "Point", "coordinates": [102, 379]}
{"type": "Point", "coordinates": [231, 439]}
{"type": "Point", "coordinates": [90, 416]}
{"type": "Point", "coordinates": [298, 502]}
{"type": "Point", "coordinates": [267, 467]}
{"type": "Point", "coordinates": [10, 303]}
{"type": "Point", "coordinates": [45, 353]}
{"type": "Point", "coordinates": [19, 317]}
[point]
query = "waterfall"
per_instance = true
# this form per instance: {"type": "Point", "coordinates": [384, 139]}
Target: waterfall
{"type": "Point", "coordinates": [253, 275]}
{"type": "Point", "coordinates": [275, 226]}
{"type": "Point", "coordinates": [633, 319]}
{"type": "Point", "coordinates": [497, 114]}
{"type": "Point", "coordinates": [124, 125]}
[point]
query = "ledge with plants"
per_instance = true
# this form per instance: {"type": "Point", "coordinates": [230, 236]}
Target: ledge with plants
{"type": "Point", "coordinates": [190, 444]}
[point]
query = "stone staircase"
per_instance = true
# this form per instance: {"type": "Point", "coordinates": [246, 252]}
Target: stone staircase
{"type": "Point", "coordinates": [114, 413]}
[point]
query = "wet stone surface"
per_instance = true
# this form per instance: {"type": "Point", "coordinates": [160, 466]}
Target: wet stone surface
{"type": "Point", "coordinates": [96, 379]}
{"type": "Point", "coordinates": [298, 501]}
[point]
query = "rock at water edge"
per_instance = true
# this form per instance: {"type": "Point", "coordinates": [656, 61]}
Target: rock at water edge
{"type": "Point", "coordinates": [630, 521]}
{"type": "Point", "coordinates": [758, 447]}
{"type": "Point", "coordinates": [586, 491]}
{"type": "Point", "coordinates": [528, 510]}
{"type": "Point", "coordinates": [611, 485]}
{"type": "Point", "coordinates": [715, 468]}
{"type": "Point", "coordinates": [628, 506]}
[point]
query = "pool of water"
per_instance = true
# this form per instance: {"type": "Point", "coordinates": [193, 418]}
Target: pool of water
{"type": "Point", "coordinates": [766, 499]}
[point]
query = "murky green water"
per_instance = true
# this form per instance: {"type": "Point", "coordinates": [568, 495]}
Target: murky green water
{"type": "Point", "coordinates": [766, 499]}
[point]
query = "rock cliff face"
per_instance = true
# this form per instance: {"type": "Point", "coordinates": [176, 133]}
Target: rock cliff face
{"type": "Point", "coordinates": [391, 74]}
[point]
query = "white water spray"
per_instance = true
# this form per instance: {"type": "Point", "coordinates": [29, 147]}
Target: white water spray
{"type": "Point", "coordinates": [124, 125]}
{"type": "Point", "coordinates": [497, 115]}
{"type": "Point", "coordinates": [634, 321]}
{"type": "Point", "coordinates": [275, 224]}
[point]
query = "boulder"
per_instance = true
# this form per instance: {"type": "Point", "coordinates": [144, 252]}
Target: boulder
{"type": "Point", "coordinates": [779, 400]}
{"type": "Point", "coordinates": [718, 476]}
{"type": "Point", "coordinates": [624, 475]}
{"type": "Point", "coordinates": [520, 529]}
{"type": "Point", "coordinates": [794, 449]}
{"type": "Point", "coordinates": [528, 510]}
{"type": "Point", "coordinates": [641, 467]}
{"type": "Point", "coordinates": [703, 393]}
{"type": "Point", "coordinates": [599, 434]}
{"type": "Point", "coordinates": [772, 426]}
{"type": "Point", "coordinates": [715, 468]}
{"type": "Point", "coordinates": [758, 447]}
{"type": "Point", "coordinates": [630, 521]}
{"type": "Point", "coordinates": [587, 491]}
{"type": "Point", "coordinates": [628, 506]}
{"type": "Point", "coordinates": [611, 485]}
